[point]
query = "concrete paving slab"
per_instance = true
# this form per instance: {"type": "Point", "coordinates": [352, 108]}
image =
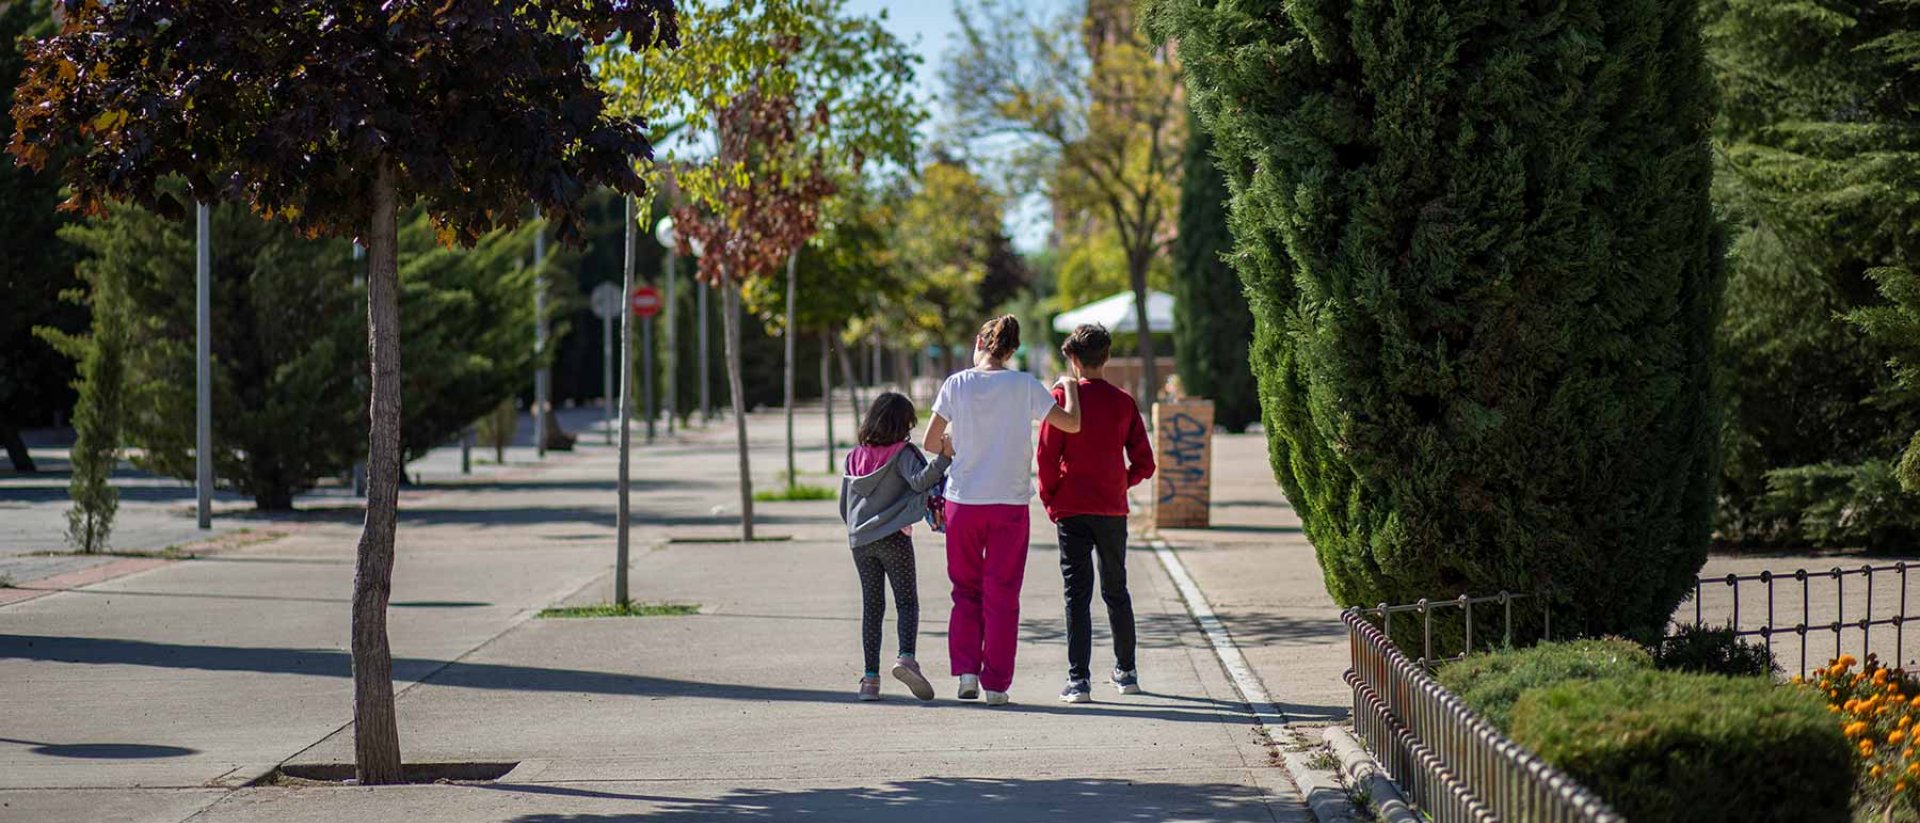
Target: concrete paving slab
{"type": "Point", "coordinates": [207, 669]}
{"type": "Point", "coordinates": [104, 805]}
{"type": "Point", "coordinates": [1264, 581]}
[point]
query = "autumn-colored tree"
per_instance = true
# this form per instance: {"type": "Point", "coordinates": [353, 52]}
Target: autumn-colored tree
{"type": "Point", "coordinates": [829, 89]}
{"type": "Point", "coordinates": [763, 216]}
{"type": "Point", "coordinates": [1102, 117]}
{"type": "Point", "coordinates": [331, 115]}
{"type": "Point", "coordinates": [844, 268]}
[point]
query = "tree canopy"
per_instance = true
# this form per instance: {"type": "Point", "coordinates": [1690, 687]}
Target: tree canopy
{"type": "Point", "coordinates": [289, 105]}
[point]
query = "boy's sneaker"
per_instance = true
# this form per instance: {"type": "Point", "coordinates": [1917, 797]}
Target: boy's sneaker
{"type": "Point", "coordinates": [907, 670]}
{"type": "Point", "coordinates": [1126, 682]}
{"type": "Point", "coordinates": [994, 698]}
{"type": "Point", "coordinates": [1077, 691]}
{"type": "Point", "coordinates": [869, 688]}
{"type": "Point", "coordinates": [969, 686]}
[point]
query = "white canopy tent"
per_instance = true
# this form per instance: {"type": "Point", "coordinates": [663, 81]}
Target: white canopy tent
{"type": "Point", "coordinates": [1116, 313]}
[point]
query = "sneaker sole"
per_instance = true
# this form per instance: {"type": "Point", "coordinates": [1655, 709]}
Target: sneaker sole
{"type": "Point", "coordinates": [1077, 697]}
{"type": "Point", "coordinates": [915, 682]}
{"type": "Point", "coordinates": [1134, 689]}
{"type": "Point", "coordinates": [868, 698]}
{"type": "Point", "coordinates": [969, 695]}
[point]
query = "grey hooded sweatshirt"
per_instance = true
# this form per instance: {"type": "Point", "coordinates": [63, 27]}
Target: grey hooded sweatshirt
{"type": "Point", "coordinates": [891, 498]}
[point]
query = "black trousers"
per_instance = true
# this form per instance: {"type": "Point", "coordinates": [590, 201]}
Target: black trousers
{"type": "Point", "coordinates": [1087, 539]}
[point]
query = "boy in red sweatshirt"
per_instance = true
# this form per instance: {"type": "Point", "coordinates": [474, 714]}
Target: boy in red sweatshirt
{"type": "Point", "coordinates": [1084, 479]}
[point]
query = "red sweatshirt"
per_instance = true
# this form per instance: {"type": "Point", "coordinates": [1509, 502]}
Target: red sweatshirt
{"type": "Point", "coordinates": [1089, 472]}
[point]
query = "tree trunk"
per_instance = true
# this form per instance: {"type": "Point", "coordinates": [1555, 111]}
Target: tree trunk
{"type": "Point", "coordinates": [17, 450]}
{"type": "Point", "coordinates": [376, 734]}
{"type": "Point", "coordinates": [793, 471]}
{"type": "Point", "coordinates": [730, 323]}
{"type": "Point", "coordinates": [826, 393]}
{"type": "Point", "coordinates": [1149, 376]}
{"type": "Point", "coordinates": [853, 386]}
{"type": "Point", "coordinates": [623, 515]}
{"type": "Point", "coordinates": [903, 372]}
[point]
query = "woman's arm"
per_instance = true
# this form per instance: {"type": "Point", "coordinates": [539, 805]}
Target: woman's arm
{"type": "Point", "coordinates": [936, 429]}
{"type": "Point", "coordinates": [1067, 416]}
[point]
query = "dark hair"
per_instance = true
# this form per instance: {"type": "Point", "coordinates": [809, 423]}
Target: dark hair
{"type": "Point", "coordinates": [1088, 344]}
{"type": "Point", "coordinates": [890, 420]}
{"type": "Point", "coordinates": [1001, 335]}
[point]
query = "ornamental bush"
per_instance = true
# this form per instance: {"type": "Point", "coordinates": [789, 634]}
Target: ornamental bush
{"type": "Point", "coordinates": [1703, 650]}
{"type": "Point", "coordinates": [1484, 277]}
{"type": "Point", "coordinates": [1665, 747]}
{"type": "Point", "coordinates": [1492, 682]}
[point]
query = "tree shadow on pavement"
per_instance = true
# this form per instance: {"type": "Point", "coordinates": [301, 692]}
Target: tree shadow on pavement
{"type": "Point", "coordinates": [934, 800]}
{"type": "Point", "coordinates": [503, 677]}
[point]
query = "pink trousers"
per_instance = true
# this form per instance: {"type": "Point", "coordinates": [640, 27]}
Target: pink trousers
{"type": "Point", "coordinates": [987, 561]}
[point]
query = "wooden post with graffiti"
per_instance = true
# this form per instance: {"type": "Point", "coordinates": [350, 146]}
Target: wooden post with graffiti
{"type": "Point", "coordinates": [1183, 446]}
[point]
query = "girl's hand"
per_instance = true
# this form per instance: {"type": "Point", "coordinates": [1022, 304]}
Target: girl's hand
{"type": "Point", "coordinates": [946, 446]}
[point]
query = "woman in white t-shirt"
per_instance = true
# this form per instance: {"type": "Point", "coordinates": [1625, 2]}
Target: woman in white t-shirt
{"type": "Point", "coordinates": [990, 411]}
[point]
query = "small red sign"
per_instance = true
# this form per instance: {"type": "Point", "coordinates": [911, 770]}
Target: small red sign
{"type": "Point", "coordinates": [645, 301]}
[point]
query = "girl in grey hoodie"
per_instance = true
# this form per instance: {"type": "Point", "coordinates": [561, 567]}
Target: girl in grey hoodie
{"type": "Point", "coordinates": [882, 495]}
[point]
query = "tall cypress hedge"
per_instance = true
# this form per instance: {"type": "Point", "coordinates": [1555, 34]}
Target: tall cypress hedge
{"type": "Point", "coordinates": [1484, 277]}
{"type": "Point", "coordinates": [1212, 325]}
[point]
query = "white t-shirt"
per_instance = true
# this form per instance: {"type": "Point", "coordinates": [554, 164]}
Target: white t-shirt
{"type": "Point", "coordinates": [991, 415]}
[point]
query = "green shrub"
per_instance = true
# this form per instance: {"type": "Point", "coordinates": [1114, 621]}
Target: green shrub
{"type": "Point", "coordinates": [1666, 747]}
{"type": "Point", "coordinates": [1484, 273]}
{"type": "Point", "coordinates": [1703, 650]}
{"type": "Point", "coordinates": [1491, 683]}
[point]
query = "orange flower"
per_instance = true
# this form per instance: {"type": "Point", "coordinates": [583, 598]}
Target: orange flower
{"type": "Point", "coordinates": [1856, 728]}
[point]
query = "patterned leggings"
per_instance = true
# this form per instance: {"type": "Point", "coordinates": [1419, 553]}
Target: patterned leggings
{"type": "Point", "coordinates": [890, 557]}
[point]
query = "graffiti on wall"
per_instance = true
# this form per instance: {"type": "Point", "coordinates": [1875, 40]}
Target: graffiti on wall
{"type": "Point", "coordinates": [1183, 442]}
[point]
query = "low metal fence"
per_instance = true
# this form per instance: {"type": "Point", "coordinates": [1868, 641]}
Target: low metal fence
{"type": "Point", "coordinates": [1449, 760]}
{"type": "Point", "coordinates": [1426, 611]}
{"type": "Point", "coordinates": [1800, 615]}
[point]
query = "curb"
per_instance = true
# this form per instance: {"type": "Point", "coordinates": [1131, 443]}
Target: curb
{"type": "Point", "coordinates": [1320, 789]}
{"type": "Point", "coordinates": [1366, 776]}
{"type": "Point", "coordinates": [35, 589]}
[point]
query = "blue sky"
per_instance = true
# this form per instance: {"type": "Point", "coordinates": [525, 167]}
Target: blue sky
{"type": "Point", "coordinates": [931, 28]}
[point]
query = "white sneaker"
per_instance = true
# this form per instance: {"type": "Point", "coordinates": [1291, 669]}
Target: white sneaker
{"type": "Point", "coordinates": [969, 686]}
{"type": "Point", "coordinates": [1126, 682]}
{"type": "Point", "coordinates": [994, 698]}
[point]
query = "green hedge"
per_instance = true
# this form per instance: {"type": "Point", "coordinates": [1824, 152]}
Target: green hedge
{"type": "Point", "coordinates": [1666, 747]}
{"type": "Point", "coordinates": [1703, 650]}
{"type": "Point", "coordinates": [1484, 272]}
{"type": "Point", "coordinates": [1490, 683]}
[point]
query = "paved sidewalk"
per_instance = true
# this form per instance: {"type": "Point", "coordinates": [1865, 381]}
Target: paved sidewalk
{"type": "Point", "coordinates": [155, 697]}
{"type": "Point", "coordinates": [1260, 574]}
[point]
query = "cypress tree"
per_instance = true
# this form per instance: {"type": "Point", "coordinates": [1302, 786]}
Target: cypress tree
{"type": "Point", "coordinates": [1483, 273]}
{"type": "Point", "coordinates": [1212, 325]}
{"type": "Point", "coordinates": [1821, 135]}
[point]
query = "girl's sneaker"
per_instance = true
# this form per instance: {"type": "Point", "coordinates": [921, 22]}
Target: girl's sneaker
{"type": "Point", "coordinates": [993, 698]}
{"type": "Point", "coordinates": [869, 688]}
{"type": "Point", "coordinates": [1126, 682]}
{"type": "Point", "coordinates": [907, 670]}
{"type": "Point", "coordinates": [969, 687]}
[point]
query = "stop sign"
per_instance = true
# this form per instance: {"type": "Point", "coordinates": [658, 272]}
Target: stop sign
{"type": "Point", "coordinates": [645, 301]}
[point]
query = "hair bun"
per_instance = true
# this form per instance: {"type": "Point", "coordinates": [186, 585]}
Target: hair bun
{"type": "Point", "coordinates": [1001, 336]}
